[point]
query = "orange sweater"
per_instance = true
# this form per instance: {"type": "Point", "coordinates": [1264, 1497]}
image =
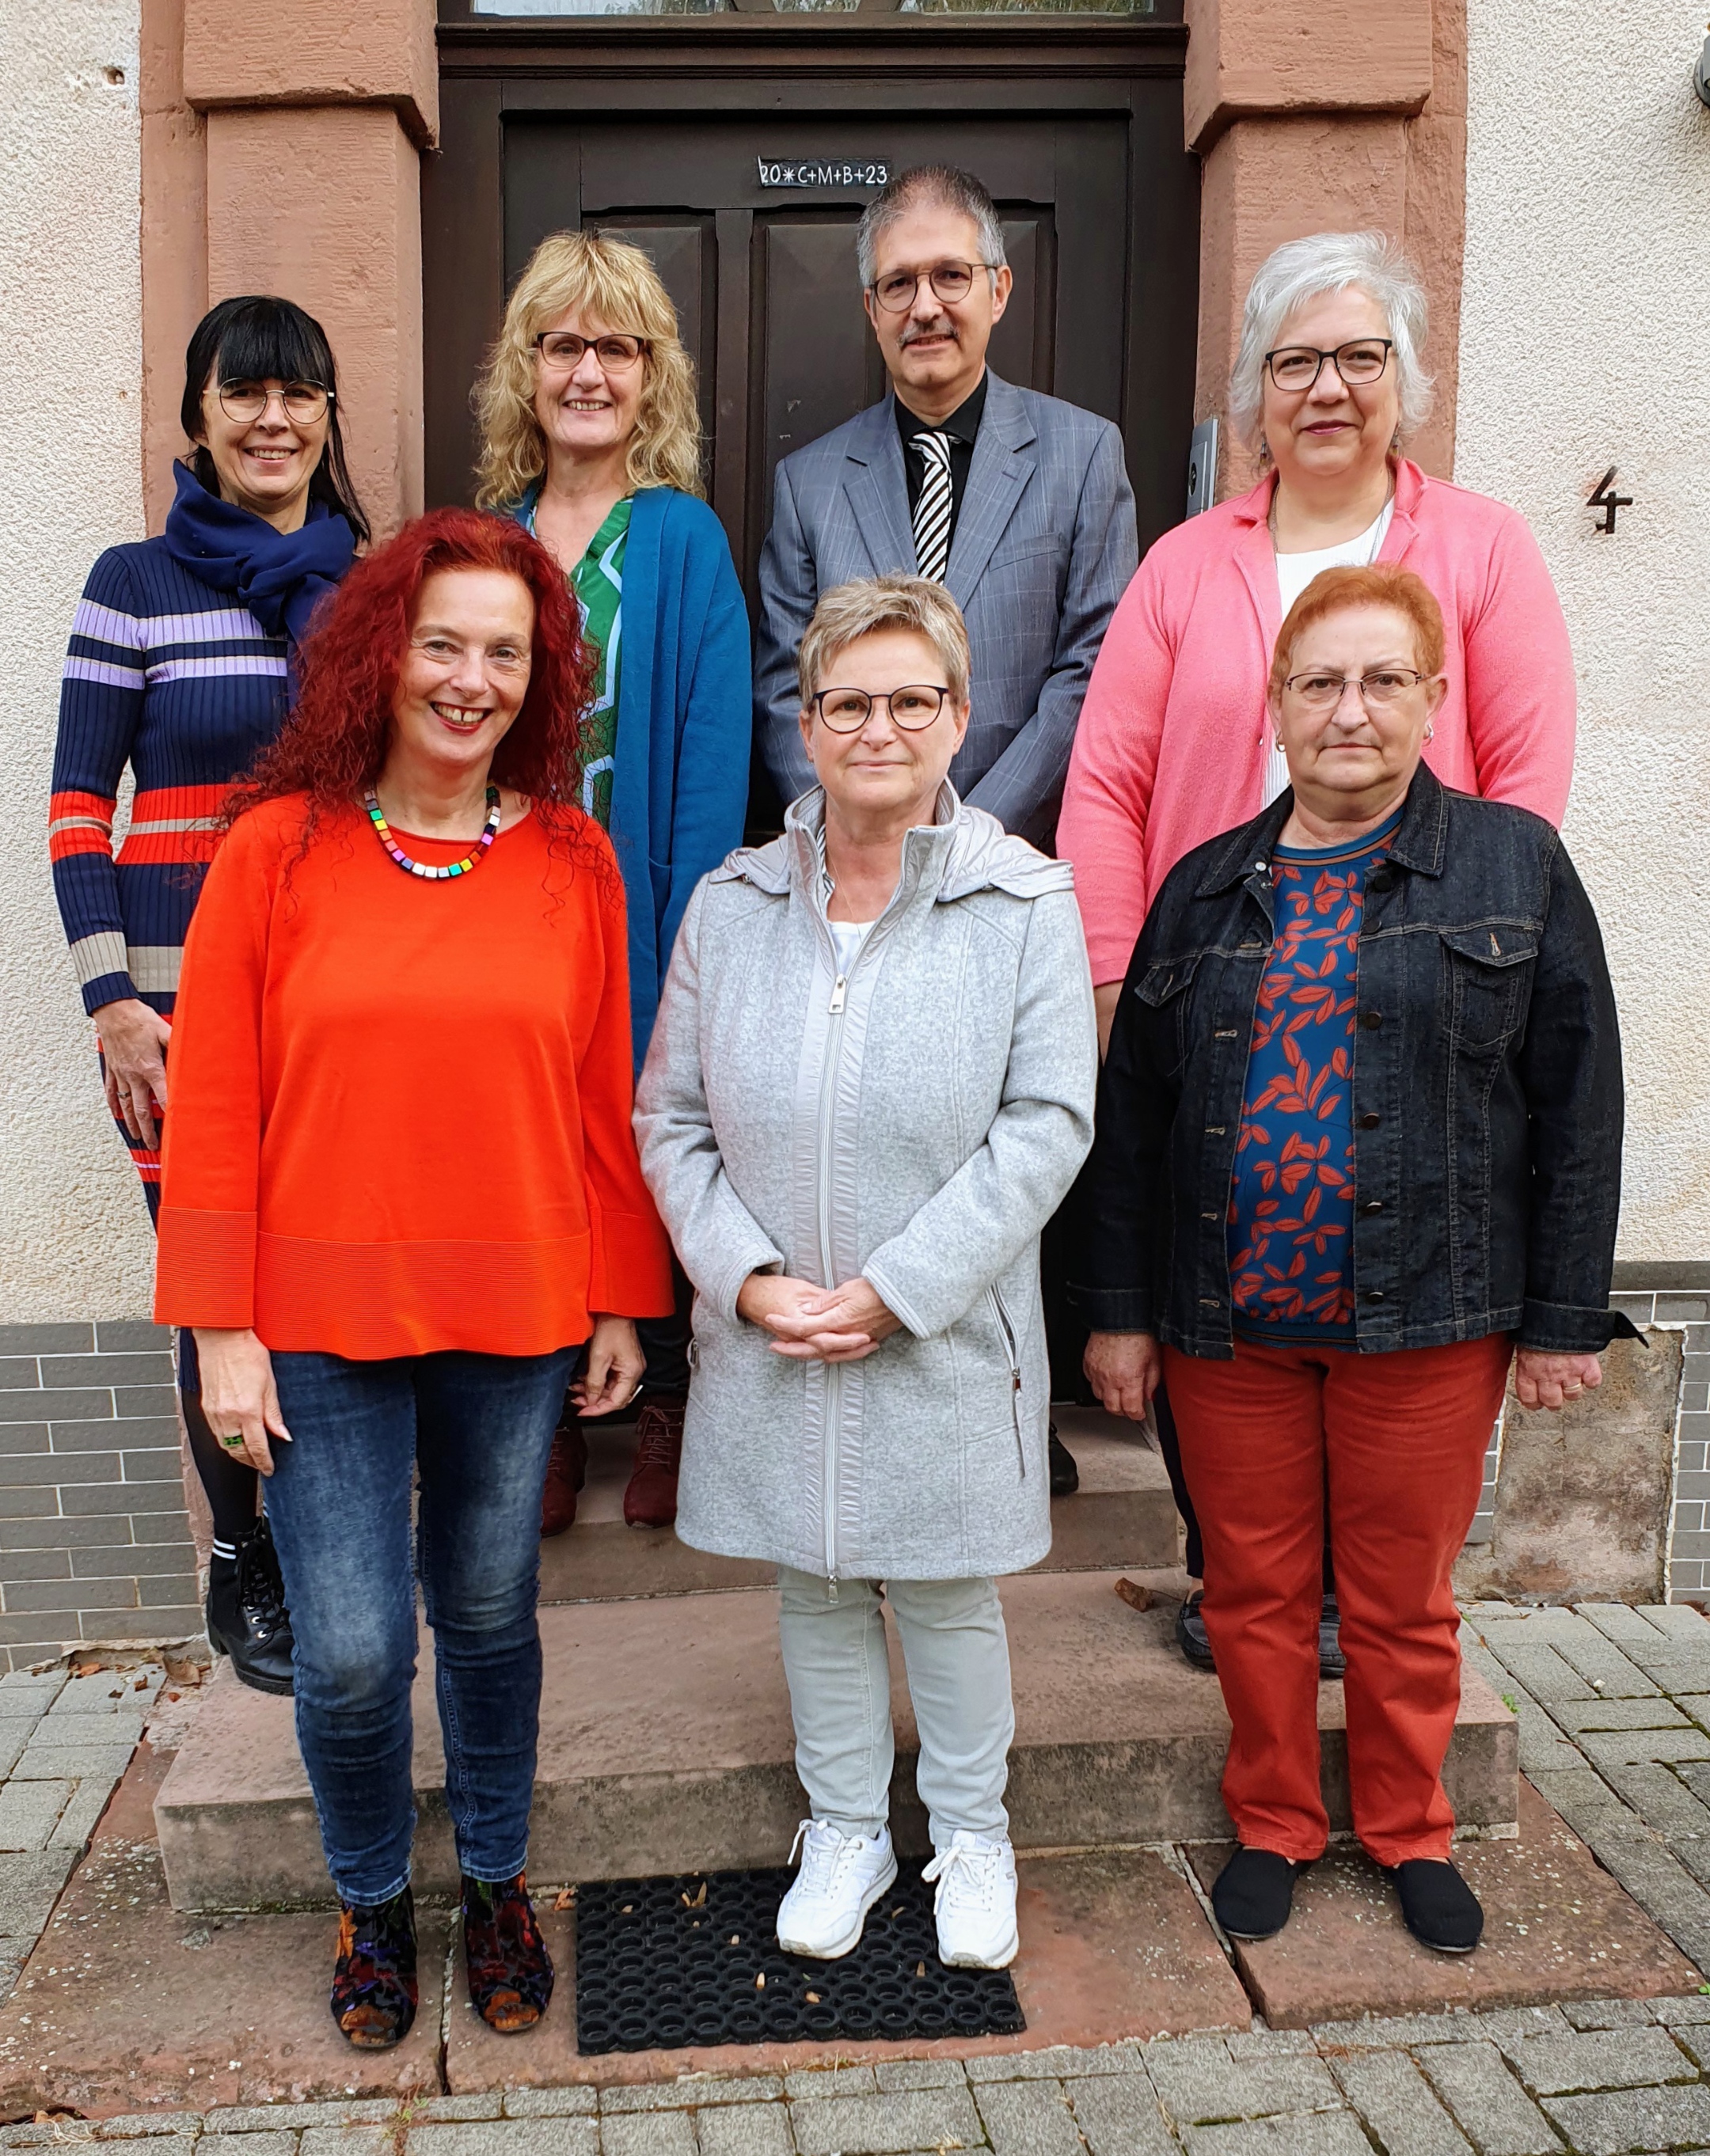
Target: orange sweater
{"type": "Point", "coordinates": [400, 1111]}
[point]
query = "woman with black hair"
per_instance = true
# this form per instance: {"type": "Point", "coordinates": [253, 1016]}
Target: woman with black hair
{"type": "Point", "coordinates": [181, 661]}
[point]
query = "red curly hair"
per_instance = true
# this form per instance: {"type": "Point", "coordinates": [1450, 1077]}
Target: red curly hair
{"type": "Point", "coordinates": [335, 744]}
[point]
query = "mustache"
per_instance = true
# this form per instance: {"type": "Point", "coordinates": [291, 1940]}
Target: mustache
{"type": "Point", "coordinates": [940, 325]}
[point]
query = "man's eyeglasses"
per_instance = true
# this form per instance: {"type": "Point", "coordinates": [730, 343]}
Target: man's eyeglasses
{"type": "Point", "coordinates": [949, 280]}
{"type": "Point", "coordinates": [1379, 690]}
{"type": "Point", "coordinates": [847, 710]}
{"type": "Point", "coordinates": [1298, 367]}
{"type": "Point", "coordinates": [305, 403]}
{"type": "Point", "coordinates": [562, 350]}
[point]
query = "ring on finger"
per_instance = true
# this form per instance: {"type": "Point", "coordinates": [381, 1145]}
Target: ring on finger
{"type": "Point", "coordinates": [232, 1443]}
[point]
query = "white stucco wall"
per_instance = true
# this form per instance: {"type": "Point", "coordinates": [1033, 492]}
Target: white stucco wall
{"type": "Point", "coordinates": [1586, 342]}
{"type": "Point", "coordinates": [74, 1237]}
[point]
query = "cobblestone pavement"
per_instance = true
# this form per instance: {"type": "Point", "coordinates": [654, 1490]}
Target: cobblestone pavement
{"type": "Point", "coordinates": [65, 1742]}
{"type": "Point", "coordinates": [1593, 2079]}
{"type": "Point", "coordinates": [1614, 1706]}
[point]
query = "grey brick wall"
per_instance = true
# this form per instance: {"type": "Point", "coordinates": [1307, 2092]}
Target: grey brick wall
{"type": "Point", "coordinates": [95, 1542]}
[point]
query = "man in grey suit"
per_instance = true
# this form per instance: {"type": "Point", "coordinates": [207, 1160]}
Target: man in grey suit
{"type": "Point", "coordinates": [1017, 502]}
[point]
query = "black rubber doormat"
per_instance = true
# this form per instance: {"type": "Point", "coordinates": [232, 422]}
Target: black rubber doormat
{"type": "Point", "coordinates": [665, 1963]}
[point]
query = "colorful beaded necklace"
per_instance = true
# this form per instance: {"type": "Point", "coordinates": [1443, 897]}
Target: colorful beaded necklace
{"type": "Point", "coordinates": [471, 860]}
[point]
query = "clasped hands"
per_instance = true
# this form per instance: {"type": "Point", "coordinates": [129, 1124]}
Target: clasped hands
{"type": "Point", "coordinates": [817, 1324]}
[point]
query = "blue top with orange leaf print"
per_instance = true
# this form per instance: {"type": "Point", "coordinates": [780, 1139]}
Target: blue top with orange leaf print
{"type": "Point", "coordinates": [1290, 1200]}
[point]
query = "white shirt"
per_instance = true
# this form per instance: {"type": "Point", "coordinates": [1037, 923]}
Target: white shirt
{"type": "Point", "coordinates": [1294, 572]}
{"type": "Point", "coordinates": [847, 937]}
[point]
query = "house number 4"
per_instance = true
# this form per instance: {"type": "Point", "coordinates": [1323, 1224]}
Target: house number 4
{"type": "Point", "coordinates": [1601, 497]}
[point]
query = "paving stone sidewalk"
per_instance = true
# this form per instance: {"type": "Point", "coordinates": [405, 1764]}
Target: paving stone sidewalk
{"type": "Point", "coordinates": [1614, 1706]}
{"type": "Point", "coordinates": [64, 1742]}
{"type": "Point", "coordinates": [1593, 2079]}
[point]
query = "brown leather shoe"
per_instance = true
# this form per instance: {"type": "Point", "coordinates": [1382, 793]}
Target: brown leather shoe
{"type": "Point", "coordinates": [650, 1500]}
{"type": "Point", "coordinates": [567, 1471]}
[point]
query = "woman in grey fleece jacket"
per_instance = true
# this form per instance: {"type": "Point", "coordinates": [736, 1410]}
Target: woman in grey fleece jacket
{"type": "Point", "coordinates": [870, 1085]}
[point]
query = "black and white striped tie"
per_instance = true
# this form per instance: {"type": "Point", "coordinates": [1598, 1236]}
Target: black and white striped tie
{"type": "Point", "coordinates": [932, 512]}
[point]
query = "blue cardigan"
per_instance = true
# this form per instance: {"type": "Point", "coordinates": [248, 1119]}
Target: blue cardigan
{"type": "Point", "coordinates": [680, 781]}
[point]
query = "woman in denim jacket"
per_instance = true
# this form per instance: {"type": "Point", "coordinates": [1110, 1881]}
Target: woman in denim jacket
{"type": "Point", "coordinates": [1360, 1138]}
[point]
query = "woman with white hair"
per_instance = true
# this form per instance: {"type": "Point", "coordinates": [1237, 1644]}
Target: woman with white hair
{"type": "Point", "coordinates": [591, 440]}
{"type": "Point", "coordinates": [1174, 744]}
{"type": "Point", "coordinates": [870, 1087]}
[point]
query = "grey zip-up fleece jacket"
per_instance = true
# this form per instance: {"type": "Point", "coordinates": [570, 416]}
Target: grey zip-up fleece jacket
{"type": "Point", "coordinates": [918, 1121]}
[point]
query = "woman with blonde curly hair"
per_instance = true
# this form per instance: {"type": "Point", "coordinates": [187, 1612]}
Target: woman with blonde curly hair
{"type": "Point", "coordinates": [591, 439]}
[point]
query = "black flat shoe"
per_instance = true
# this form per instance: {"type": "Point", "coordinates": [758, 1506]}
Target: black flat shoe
{"type": "Point", "coordinates": [1332, 1663]}
{"type": "Point", "coordinates": [1437, 1905]}
{"type": "Point", "coordinates": [246, 1614]}
{"type": "Point", "coordinates": [373, 1998]}
{"type": "Point", "coordinates": [1065, 1475]}
{"type": "Point", "coordinates": [1255, 1893]}
{"type": "Point", "coordinates": [1191, 1635]}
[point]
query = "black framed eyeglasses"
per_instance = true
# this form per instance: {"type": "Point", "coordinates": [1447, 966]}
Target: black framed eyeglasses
{"type": "Point", "coordinates": [562, 350]}
{"type": "Point", "coordinates": [949, 280]}
{"type": "Point", "coordinates": [1379, 690]}
{"type": "Point", "coordinates": [1296, 366]}
{"type": "Point", "coordinates": [305, 403]}
{"type": "Point", "coordinates": [847, 710]}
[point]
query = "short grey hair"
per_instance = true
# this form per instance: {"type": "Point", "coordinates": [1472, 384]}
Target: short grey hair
{"type": "Point", "coordinates": [1302, 269]}
{"type": "Point", "coordinates": [942, 187]}
{"type": "Point", "coordinates": [855, 610]}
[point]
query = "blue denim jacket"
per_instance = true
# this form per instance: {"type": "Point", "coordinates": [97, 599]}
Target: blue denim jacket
{"type": "Point", "coordinates": [1487, 1092]}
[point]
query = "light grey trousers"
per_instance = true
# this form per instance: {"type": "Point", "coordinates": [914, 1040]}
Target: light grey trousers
{"type": "Point", "coordinates": [957, 1654]}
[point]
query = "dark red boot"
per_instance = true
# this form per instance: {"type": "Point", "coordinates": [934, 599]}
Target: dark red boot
{"type": "Point", "coordinates": [650, 1500]}
{"type": "Point", "coordinates": [567, 1471]}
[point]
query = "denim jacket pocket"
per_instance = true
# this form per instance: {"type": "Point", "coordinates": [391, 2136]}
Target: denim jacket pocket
{"type": "Point", "coordinates": [1488, 981]}
{"type": "Point", "coordinates": [1162, 988]}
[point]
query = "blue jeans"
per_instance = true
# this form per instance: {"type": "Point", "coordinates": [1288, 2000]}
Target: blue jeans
{"type": "Point", "coordinates": [477, 1429]}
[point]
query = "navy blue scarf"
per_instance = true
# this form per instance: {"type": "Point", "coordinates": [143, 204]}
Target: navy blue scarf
{"type": "Point", "coordinates": [280, 576]}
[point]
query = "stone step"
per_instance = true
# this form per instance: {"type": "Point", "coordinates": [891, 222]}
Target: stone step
{"type": "Point", "coordinates": [666, 1745]}
{"type": "Point", "coordinates": [1122, 1514]}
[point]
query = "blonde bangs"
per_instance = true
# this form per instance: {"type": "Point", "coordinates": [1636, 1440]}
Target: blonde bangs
{"type": "Point", "coordinates": [617, 284]}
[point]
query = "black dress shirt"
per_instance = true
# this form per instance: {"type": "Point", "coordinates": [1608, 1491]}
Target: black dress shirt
{"type": "Point", "coordinates": [962, 426]}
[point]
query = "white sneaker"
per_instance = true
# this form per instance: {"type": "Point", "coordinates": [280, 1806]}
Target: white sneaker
{"type": "Point", "coordinates": [842, 1875]}
{"type": "Point", "coordinates": [975, 1904]}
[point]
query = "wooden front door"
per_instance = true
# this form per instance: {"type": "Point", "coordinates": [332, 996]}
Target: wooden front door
{"type": "Point", "coordinates": [694, 142]}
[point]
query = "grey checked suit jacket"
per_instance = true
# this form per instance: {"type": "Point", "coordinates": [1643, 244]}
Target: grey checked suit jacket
{"type": "Point", "coordinates": [1044, 548]}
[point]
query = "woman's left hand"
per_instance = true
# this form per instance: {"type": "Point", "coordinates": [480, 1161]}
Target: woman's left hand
{"type": "Point", "coordinates": [1542, 1380]}
{"type": "Point", "coordinates": [834, 1324]}
{"type": "Point", "coordinates": [613, 1369]}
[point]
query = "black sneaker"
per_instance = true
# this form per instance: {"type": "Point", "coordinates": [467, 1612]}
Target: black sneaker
{"type": "Point", "coordinates": [247, 1618]}
{"type": "Point", "coordinates": [1437, 1905]}
{"type": "Point", "coordinates": [1332, 1663]}
{"type": "Point", "coordinates": [1191, 1635]}
{"type": "Point", "coordinates": [1253, 1896]}
{"type": "Point", "coordinates": [1065, 1476]}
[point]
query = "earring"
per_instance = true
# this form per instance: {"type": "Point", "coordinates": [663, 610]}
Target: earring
{"type": "Point", "coordinates": [1431, 730]}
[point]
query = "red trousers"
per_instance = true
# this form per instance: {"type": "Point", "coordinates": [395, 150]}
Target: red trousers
{"type": "Point", "coordinates": [1398, 1442]}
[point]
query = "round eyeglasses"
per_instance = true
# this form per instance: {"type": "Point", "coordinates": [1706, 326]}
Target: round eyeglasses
{"type": "Point", "coordinates": [562, 350]}
{"type": "Point", "coordinates": [305, 403]}
{"type": "Point", "coordinates": [1379, 690]}
{"type": "Point", "coordinates": [949, 280]}
{"type": "Point", "coordinates": [1298, 367]}
{"type": "Point", "coordinates": [847, 710]}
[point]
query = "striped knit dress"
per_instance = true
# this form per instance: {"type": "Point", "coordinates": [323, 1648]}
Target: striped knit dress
{"type": "Point", "coordinates": [179, 681]}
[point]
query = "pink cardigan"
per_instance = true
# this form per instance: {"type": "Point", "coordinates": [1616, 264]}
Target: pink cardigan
{"type": "Point", "coordinates": [1170, 749]}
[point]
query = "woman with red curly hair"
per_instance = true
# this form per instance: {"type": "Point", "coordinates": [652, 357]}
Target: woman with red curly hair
{"type": "Point", "coordinates": [402, 1204]}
